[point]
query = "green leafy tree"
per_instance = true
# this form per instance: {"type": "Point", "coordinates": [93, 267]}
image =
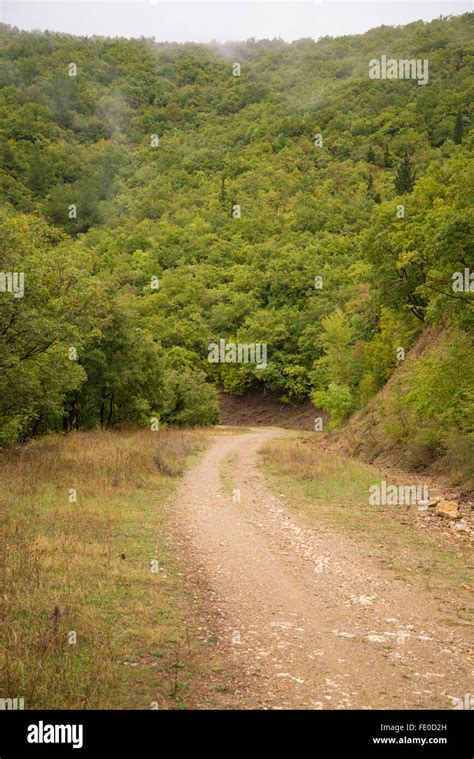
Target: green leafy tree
{"type": "Point", "coordinates": [405, 176]}
{"type": "Point", "coordinates": [458, 128]}
{"type": "Point", "coordinates": [338, 400]}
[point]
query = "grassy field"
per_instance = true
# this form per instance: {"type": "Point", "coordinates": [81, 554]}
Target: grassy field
{"type": "Point", "coordinates": [331, 491]}
{"type": "Point", "coordinates": [94, 613]}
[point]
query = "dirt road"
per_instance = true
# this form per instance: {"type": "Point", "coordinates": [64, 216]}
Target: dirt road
{"type": "Point", "coordinates": [309, 620]}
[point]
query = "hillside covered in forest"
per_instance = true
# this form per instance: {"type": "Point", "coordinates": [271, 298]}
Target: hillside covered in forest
{"type": "Point", "coordinates": [159, 198]}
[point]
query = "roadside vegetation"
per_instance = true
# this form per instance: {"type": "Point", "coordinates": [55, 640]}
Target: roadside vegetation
{"type": "Point", "coordinates": [94, 610]}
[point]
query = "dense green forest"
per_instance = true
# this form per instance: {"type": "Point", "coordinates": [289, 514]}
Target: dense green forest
{"type": "Point", "coordinates": [157, 199]}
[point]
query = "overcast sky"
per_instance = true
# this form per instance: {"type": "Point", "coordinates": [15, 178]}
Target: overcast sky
{"type": "Point", "coordinates": [222, 20]}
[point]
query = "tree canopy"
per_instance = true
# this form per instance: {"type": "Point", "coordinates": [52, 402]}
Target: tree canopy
{"type": "Point", "coordinates": [122, 165]}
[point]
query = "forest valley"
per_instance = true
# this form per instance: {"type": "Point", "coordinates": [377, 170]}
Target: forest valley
{"type": "Point", "coordinates": [155, 146]}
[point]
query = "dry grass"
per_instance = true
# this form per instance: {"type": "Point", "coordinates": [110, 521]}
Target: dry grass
{"type": "Point", "coordinates": [85, 567]}
{"type": "Point", "coordinates": [227, 472]}
{"type": "Point", "coordinates": [332, 491]}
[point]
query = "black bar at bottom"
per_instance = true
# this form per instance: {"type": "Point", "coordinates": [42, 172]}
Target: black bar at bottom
{"type": "Point", "coordinates": [313, 733]}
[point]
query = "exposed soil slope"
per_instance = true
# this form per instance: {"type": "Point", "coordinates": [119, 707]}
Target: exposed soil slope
{"type": "Point", "coordinates": [260, 409]}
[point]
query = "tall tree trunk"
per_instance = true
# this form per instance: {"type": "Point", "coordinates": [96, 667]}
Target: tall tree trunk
{"type": "Point", "coordinates": [102, 408]}
{"type": "Point", "coordinates": [111, 408]}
